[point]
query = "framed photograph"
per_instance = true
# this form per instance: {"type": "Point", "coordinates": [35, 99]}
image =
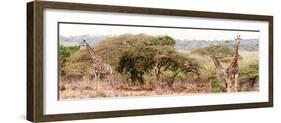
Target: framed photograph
{"type": "Point", "coordinates": [89, 61]}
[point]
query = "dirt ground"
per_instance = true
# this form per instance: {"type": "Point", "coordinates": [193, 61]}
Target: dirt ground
{"type": "Point", "coordinates": [101, 89]}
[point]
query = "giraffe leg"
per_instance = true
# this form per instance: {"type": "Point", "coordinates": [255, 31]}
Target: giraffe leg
{"type": "Point", "coordinates": [95, 80]}
{"type": "Point", "coordinates": [95, 76]}
{"type": "Point", "coordinates": [98, 81]}
{"type": "Point", "coordinates": [236, 83]}
{"type": "Point", "coordinates": [229, 87]}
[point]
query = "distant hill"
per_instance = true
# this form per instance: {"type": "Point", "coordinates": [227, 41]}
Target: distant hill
{"type": "Point", "coordinates": [184, 45]}
{"type": "Point", "coordinates": [245, 44]}
{"type": "Point", "coordinates": [76, 40]}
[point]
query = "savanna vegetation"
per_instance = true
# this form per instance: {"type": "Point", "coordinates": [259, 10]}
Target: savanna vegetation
{"type": "Point", "coordinates": [149, 65]}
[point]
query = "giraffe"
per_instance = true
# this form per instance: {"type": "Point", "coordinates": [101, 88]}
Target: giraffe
{"type": "Point", "coordinates": [229, 76]}
{"type": "Point", "coordinates": [232, 71]}
{"type": "Point", "coordinates": [219, 70]}
{"type": "Point", "coordinates": [99, 67]}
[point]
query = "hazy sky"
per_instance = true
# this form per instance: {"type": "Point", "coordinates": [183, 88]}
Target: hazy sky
{"type": "Point", "coordinates": [191, 34]}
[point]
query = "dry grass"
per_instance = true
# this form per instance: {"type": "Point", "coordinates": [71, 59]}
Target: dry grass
{"type": "Point", "coordinates": [89, 89]}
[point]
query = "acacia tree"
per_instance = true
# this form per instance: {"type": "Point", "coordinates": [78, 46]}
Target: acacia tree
{"type": "Point", "coordinates": [154, 55]}
{"type": "Point", "coordinates": [179, 64]}
{"type": "Point", "coordinates": [135, 63]}
{"type": "Point", "coordinates": [143, 60]}
{"type": "Point", "coordinates": [145, 55]}
{"type": "Point", "coordinates": [162, 58]}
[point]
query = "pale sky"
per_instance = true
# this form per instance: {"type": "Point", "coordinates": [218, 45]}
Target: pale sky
{"type": "Point", "coordinates": [190, 34]}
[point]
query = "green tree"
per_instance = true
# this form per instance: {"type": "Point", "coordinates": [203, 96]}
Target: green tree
{"type": "Point", "coordinates": [176, 64]}
{"type": "Point", "coordinates": [222, 52]}
{"type": "Point", "coordinates": [135, 62]}
{"type": "Point", "coordinates": [164, 40]}
{"type": "Point", "coordinates": [146, 53]}
{"type": "Point", "coordinates": [152, 54]}
{"type": "Point", "coordinates": [64, 54]}
{"type": "Point", "coordinates": [142, 60]}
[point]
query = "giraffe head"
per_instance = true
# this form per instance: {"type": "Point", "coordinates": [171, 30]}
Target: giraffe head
{"type": "Point", "coordinates": [238, 39]}
{"type": "Point", "coordinates": [84, 43]}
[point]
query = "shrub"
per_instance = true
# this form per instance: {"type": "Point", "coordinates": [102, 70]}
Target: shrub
{"type": "Point", "coordinates": [249, 69]}
{"type": "Point", "coordinates": [165, 40]}
{"type": "Point", "coordinates": [64, 54]}
{"type": "Point", "coordinates": [135, 62]}
{"type": "Point", "coordinates": [216, 85]}
{"type": "Point", "coordinates": [66, 51]}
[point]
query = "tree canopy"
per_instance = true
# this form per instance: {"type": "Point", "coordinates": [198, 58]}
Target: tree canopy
{"type": "Point", "coordinates": [153, 56]}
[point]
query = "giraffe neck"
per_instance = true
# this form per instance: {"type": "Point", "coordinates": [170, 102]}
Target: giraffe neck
{"type": "Point", "coordinates": [95, 59]}
{"type": "Point", "coordinates": [216, 62]}
{"type": "Point", "coordinates": [234, 62]}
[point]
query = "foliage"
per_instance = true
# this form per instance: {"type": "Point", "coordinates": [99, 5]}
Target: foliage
{"type": "Point", "coordinates": [222, 52]}
{"type": "Point", "coordinates": [164, 40]}
{"type": "Point", "coordinates": [111, 48]}
{"type": "Point", "coordinates": [135, 62]}
{"type": "Point", "coordinates": [142, 60]}
{"type": "Point", "coordinates": [249, 69]}
{"type": "Point", "coordinates": [179, 64]}
{"type": "Point", "coordinates": [216, 85]}
{"type": "Point", "coordinates": [66, 51]}
{"type": "Point", "coordinates": [145, 55]}
{"type": "Point", "coordinates": [77, 65]}
{"type": "Point", "coordinates": [142, 39]}
{"type": "Point", "coordinates": [64, 54]}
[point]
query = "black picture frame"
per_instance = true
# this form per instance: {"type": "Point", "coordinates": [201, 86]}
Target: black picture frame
{"type": "Point", "coordinates": [35, 60]}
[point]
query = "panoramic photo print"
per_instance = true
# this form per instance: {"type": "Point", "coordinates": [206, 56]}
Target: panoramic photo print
{"type": "Point", "coordinates": [110, 60]}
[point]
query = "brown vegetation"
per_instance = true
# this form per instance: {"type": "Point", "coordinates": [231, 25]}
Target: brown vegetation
{"type": "Point", "coordinates": [89, 89]}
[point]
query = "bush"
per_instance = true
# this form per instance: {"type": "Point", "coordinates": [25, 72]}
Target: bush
{"type": "Point", "coordinates": [64, 54]}
{"type": "Point", "coordinates": [135, 62]}
{"type": "Point", "coordinates": [165, 40]}
{"type": "Point", "coordinates": [216, 85]}
{"type": "Point", "coordinates": [66, 51]}
{"type": "Point", "coordinates": [249, 69]}
{"type": "Point", "coordinates": [77, 66]}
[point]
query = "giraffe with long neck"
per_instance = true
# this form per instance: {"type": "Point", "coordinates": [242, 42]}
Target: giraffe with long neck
{"type": "Point", "coordinates": [99, 67]}
{"type": "Point", "coordinates": [95, 58]}
{"type": "Point", "coordinates": [219, 70]}
{"type": "Point", "coordinates": [232, 71]}
{"type": "Point", "coordinates": [217, 64]}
